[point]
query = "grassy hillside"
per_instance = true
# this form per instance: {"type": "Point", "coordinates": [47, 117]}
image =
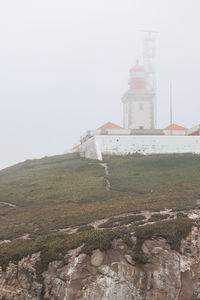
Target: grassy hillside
{"type": "Point", "coordinates": [62, 191]}
{"type": "Point", "coordinates": [157, 181]}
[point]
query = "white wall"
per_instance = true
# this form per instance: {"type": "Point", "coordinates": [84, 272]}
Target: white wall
{"type": "Point", "coordinates": [109, 131]}
{"type": "Point", "coordinates": [91, 149]}
{"type": "Point", "coordinates": [122, 145]}
{"type": "Point", "coordinates": [175, 132]}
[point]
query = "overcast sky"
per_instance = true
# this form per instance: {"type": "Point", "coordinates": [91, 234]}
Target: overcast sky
{"type": "Point", "coordinates": [64, 68]}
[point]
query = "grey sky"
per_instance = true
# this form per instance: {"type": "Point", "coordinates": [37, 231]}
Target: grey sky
{"type": "Point", "coordinates": [64, 67]}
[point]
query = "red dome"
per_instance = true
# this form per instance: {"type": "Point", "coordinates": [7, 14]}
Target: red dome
{"type": "Point", "coordinates": [138, 79]}
{"type": "Point", "coordinates": [138, 67]}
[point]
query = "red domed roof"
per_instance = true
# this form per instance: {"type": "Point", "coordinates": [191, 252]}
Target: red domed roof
{"type": "Point", "coordinates": [110, 125]}
{"type": "Point", "coordinates": [138, 67]}
{"type": "Point", "coordinates": [175, 127]}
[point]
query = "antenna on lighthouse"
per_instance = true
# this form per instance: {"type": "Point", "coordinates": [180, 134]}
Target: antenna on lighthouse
{"type": "Point", "coordinates": [149, 59]}
{"type": "Point", "coordinates": [171, 114]}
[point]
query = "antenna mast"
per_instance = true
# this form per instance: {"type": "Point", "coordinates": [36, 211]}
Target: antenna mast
{"type": "Point", "coordinates": [171, 115]}
{"type": "Point", "coordinates": [149, 59]}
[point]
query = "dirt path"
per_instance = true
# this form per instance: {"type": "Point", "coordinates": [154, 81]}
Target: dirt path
{"type": "Point", "coordinates": [105, 166]}
{"type": "Point", "coordinates": [7, 203]}
{"type": "Point", "coordinates": [106, 172]}
{"type": "Point", "coordinates": [96, 223]}
{"type": "Point", "coordinates": [68, 230]}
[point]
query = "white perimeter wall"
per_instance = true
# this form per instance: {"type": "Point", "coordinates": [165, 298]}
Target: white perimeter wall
{"type": "Point", "coordinates": [122, 145]}
{"type": "Point", "coordinates": [175, 132]}
{"type": "Point", "coordinates": [91, 149]}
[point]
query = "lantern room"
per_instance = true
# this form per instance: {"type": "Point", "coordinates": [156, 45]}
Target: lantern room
{"type": "Point", "coordinates": [138, 77]}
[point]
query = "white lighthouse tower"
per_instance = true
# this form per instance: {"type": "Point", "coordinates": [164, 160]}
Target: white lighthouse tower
{"type": "Point", "coordinates": [138, 101]}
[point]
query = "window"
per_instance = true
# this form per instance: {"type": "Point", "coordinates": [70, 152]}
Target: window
{"type": "Point", "coordinates": [141, 127]}
{"type": "Point", "coordinates": [140, 106]}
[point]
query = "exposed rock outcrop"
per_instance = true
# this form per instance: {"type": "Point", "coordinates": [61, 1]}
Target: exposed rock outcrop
{"type": "Point", "coordinates": [20, 280]}
{"type": "Point", "coordinates": [110, 275]}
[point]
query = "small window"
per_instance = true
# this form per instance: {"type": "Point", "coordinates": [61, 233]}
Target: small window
{"type": "Point", "coordinates": [141, 127]}
{"type": "Point", "coordinates": [141, 106]}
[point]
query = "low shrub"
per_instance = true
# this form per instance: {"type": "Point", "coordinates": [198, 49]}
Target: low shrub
{"type": "Point", "coordinates": [181, 215]}
{"type": "Point", "coordinates": [172, 230]}
{"type": "Point", "coordinates": [140, 257]}
{"type": "Point", "coordinates": [158, 217]}
{"type": "Point", "coordinates": [85, 228]}
{"type": "Point", "coordinates": [122, 221]}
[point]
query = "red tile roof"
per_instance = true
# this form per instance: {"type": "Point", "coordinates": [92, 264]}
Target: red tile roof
{"type": "Point", "coordinates": [175, 127]}
{"type": "Point", "coordinates": [110, 125]}
{"type": "Point", "coordinates": [76, 147]}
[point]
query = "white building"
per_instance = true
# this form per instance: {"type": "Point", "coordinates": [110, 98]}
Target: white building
{"type": "Point", "coordinates": [138, 134]}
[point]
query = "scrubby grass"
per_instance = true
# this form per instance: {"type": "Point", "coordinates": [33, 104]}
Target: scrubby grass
{"type": "Point", "coordinates": [52, 193]}
{"type": "Point", "coordinates": [122, 221]}
{"type": "Point", "coordinates": [67, 190]}
{"type": "Point", "coordinates": [172, 230]}
{"type": "Point", "coordinates": [85, 228]}
{"type": "Point", "coordinates": [180, 215]}
{"type": "Point", "coordinates": [159, 181]}
{"type": "Point", "coordinates": [158, 217]}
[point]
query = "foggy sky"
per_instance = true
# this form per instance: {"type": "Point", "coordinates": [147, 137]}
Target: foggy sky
{"type": "Point", "coordinates": [64, 68]}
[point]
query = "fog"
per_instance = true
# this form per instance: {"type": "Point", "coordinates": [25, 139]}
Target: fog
{"type": "Point", "coordinates": [64, 68]}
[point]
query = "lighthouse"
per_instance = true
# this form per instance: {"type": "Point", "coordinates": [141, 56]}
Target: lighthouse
{"type": "Point", "coordinates": [138, 106]}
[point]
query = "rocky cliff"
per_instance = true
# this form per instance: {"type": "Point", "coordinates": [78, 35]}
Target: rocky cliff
{"type": "Point", "coordinates": [112, 274]}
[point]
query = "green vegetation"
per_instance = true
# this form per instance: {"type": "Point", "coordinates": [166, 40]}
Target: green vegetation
{"type": "Point", "coordinates": [122, 221]}
{"type": "Point", "coordinates": [69, 191]}
{"type": "Point", "coordinates": [50, 193]}
{"type": "Point", "coordinates": [173, 231]}
{"type": "Point", "coordinates": [85, 228]}
{"type": "Point", "coordinates": [158, 217]}
{"type": "Point", "coordinates": [157, 181]}
{"type": "Point", "coordinates": [180, 215]}
{"type": "Point", "coordinates": [55, 245]}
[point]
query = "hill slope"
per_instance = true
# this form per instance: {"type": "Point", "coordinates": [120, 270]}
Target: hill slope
{"type": "Point", "coordinates": [42, 200]}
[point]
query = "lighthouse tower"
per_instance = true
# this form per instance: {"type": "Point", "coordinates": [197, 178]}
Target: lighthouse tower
{"type": "Point", "coordinates": [138, 101]}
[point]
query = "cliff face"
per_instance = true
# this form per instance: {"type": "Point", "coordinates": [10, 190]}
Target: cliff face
{"type": "Point", "coordinates": [111, 274]}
